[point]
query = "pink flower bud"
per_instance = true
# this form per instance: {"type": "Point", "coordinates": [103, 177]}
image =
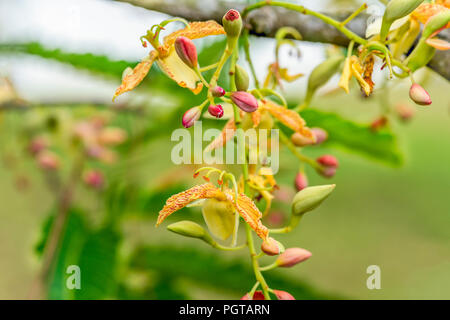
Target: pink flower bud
{"type": "Point", "coordinates": [270, 247]}
{"type": "Point", "coordinates": [283, 295]}
{"type": "Point", "coordinates": [216, 110]}
{"type": "Point", "coordinates": [378, 123]}
{"type": "Point", "coordinates": [328, 172]}
{"type": "Point", "coordinates": [301, 181]}
{"type": "Point", "coordinates": [328, 161]}
{"type": "Point", "coordinates": [258, 295]}
{"type": "Point", "coordinates": [94, 179]}
{"type": "Point", "coordinates": [48, 160]}
{"type": "Point", "coordinates": [292, 256]}
{"type": "Point", "coordinates": [218, 91]}
{"type": "Point", "coordinates": [232, 23]}
{"type": "Point", "coordinates": [405, 112]}
{"type": "Point", "coordinates": [187, 51]}
{"type": "Point", "coordinates": [191, 116]}
{"type": "Point", "coordinates": [37, 144]}
{"type": "Point", "coordinates": [276, 218]}
{"type": "Point", "coordinates": [300, 140]}
{"type": "Point", "coordinates": [419, 95]}
{"type": "Point", "coordinates": [320, 134]}
{"type": "Point", "coordinates": [245, 101]}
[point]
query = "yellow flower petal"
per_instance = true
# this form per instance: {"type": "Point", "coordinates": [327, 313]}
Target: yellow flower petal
{"type": "Point", "coordinates": [178, 71]}
{"type": "Point", "coordinates": [251, 214]}
{"type": "Point", "coordinates": [346, 76]}
{"type": "Point", "coordinates": [426, 10]}
{"type": "Point", "coordinates": [194, 30]}
{"type": "Point", "coordinates": [139, 72]}
{"type": "Point", "coordinates": [182, 199]}
{"type": "Point", "coordinates": [288, 117]}
{"type": "Point", "coordinates": [289, 78]}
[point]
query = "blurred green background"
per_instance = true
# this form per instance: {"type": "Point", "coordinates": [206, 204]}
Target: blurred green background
{"type": "Point", "coordinates": [395, 217]}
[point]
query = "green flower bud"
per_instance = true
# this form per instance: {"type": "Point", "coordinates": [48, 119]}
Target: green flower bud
{"type": "Point", "coordinates": [396, 9]}
{"type": "Point", "coordinates": [435, 23]}
{"type": "Point", "coordinates": [310, 198]}
{"type": "Point", "coordinates": [232, 23]}
{"type": "Point", "coordinates": [190, 229]}
{"type": "Point", "coordinates": [321, 74]}
{"type": "Point", "coordinates": [241, 79]}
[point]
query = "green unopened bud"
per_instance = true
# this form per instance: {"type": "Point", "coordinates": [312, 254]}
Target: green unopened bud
{"type": "Point", "coordinates": [321, 74]}
{"type": "Point", "coordinates": [396, 9]}
{"type": "Point", "coordinates": [232, 23]}
{"type": "Point", "coordinates": [241, 79]}
{"type": "Point", "coordinates": [310, 198]}
{"type": "Point", "coordinates": [190, 229]}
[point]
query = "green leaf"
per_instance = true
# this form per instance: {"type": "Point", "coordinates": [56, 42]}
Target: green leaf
{"type": "Point", "coordinates": [377, 145]}
{"type": "Point", "coordinates": [97, 262]}
{"type": "Point", "coordinates": [211, 269]}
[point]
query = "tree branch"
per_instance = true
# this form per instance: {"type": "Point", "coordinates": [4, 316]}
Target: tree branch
{"type": "Point", "coordinates": [266, 21]}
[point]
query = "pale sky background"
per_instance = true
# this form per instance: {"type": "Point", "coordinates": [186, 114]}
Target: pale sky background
{"type": "Point", "coordinates": [101, 27]}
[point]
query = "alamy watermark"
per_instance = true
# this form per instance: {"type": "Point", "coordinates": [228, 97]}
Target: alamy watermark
{"type": "Point", "coordinates": [374, 280]}
{"type": "Point", "coordinates": [262, 144]}
{"type": "Point", "coordinates": [74, 279]}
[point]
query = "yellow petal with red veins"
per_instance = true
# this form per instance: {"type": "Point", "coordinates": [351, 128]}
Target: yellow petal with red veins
{"type": "Point", "coordinates": [178, 71]}
{"type": "Point", "coordinates": [426, 10]}
{"type": "Point", "coordinates": [288, 117]}
{"type": "Point", "coordinates": [251, 214]}
{"type": "Point", "coordinates": [194, 30]}
{"type": "Point", "coordinates": [182, 199]}
{"type": "Point", "coordinates": [138, 74]}
{"type": "Point", "coordinates": [438, 44]}
{"type": "Point", "coordinates": [227, 133]}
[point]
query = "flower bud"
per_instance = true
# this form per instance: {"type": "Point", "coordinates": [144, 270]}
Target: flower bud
{"type": "Point", "coordinates": [292, 256]}
{"type": "Point", "coordinates": [94, 179]}
{"type": "Point", "coordinates": [320, 135]}
{"type": "Point", "coordinates": [37, 144]}
{"type": "Point", "coordinates": [190, 229]}
{"type": "Point", "coordinates": [271, 247]}
{"type": "Point", "coordinates": [310, 198]}
{"type": "Point", "coordinates": [241, 79]}
{"type": "Point", "coordinates": [191, 116]}
{"type": "Point", "coordinates": [328, 161]}
{"type": "Point", "coordinates": [216, 110]}
{"type": "Point", "coordinates": [301, 181]}
{"type": "Point", "coordinates": [283, 295]}
{"type": "Point", "coordinates": [232, 23]}
{"type": "Point", "coordinates": [378, 123]}
{"type": "Point", "coordinates": [258, 295]}
{"type": "Point", "coordinates": [218, 92]}
{"type": "Point", "coordinates": [419, 95]}
{"type": "Point", "coordinates": [300, 140]}
{"type": "Point", "coordinates": [48, 160]}
{"type": "Point", "coordinates": [405, 112]}
{"type": "Point", "coordinates": [187, 51]}
{"type": "Point", "coordinates": [245, 101]}
{"type": "Point", "coordinates": [328, 172]}
{"type": "Point", "coordinates": [112, 136]}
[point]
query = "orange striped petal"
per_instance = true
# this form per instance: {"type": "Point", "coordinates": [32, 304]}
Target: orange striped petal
{"type": "Point", "coordinates": [438, 44]}
{"type": "Point", "coordinates": [251, 214]}
{"type": "Point", "coordinates": [426, 10]}
{"type": "Point", "coordinates": [220, 141]}
{"type": "Point", "coordinates": [182, 199]}
{"type": "Point", "coordinates": [132, 80]}
{"type": "Point", "coordinates": [288, 117]}
{"type": "Point", "coordinates": [194, 30]}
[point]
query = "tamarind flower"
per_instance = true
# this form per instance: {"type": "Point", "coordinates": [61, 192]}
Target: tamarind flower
{"type": "Point", "coordinates": [168, 60]}
{"type": "Point", "coordinates": [353, 68]}
{"type": "Point", "coordinates": [224, 202]}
